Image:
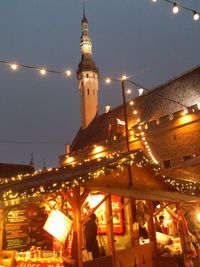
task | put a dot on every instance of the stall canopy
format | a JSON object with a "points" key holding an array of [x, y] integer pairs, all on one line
{"points": [[188, 170], [41, 183], [147, 194]]}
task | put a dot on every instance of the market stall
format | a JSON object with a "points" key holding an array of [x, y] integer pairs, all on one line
{"points": [[177, 240]]}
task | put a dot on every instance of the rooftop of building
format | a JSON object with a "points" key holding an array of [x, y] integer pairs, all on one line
{"points": [[9, 170], [167, 98]]}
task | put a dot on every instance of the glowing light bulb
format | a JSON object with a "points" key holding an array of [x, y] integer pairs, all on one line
{"points": [[14, 66], [195, 15], [131, 103], [124, 77], [43, 71], [128, 91], [135, 112], [68, 72], [175, 8], [154, 0], [108, 80], [198, 217]]}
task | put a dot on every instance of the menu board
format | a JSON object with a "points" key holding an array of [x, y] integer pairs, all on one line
{"points": [[16, 229], [23, 227]]}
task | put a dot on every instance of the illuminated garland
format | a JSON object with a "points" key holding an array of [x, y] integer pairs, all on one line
{"points": [[191, 188], [138, 158], [142, 134]]}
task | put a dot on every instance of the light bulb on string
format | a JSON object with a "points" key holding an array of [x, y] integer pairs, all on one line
{"points": [[124, 77], [108, 80], [43, 71], [175, 8], [131, 103], [195, 15], [68, 73], [128, 91], [14, 66]]}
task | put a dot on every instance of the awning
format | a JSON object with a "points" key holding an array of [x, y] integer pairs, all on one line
{"points": [[188, 170], [147, 194]]}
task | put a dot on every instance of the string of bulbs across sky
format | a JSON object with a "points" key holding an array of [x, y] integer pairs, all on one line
{"points": [[68, 73], [177, 7]]}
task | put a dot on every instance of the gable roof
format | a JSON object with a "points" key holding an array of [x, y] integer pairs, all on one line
{"points": [[183, 89], [9, 170]]}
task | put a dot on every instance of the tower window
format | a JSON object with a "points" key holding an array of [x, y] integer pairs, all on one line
{"points": [[88, 91], [87, 76], [187, 157], [93, 92], [167, 164]]}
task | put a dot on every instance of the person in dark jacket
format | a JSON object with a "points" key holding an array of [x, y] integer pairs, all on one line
{"points": [[90, 236]]}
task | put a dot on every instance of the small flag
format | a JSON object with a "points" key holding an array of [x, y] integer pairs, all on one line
{"points": [[120, 122]]}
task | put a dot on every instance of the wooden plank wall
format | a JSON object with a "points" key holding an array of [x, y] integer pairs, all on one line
{"points": [[137, 256]]}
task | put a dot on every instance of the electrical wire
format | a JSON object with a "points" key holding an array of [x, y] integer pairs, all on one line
{"points": [[155, 93], [31, 142]]}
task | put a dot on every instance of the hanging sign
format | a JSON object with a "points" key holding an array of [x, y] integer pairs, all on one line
{"points": [[58, 225]]}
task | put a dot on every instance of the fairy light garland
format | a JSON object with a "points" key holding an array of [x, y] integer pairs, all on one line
{"points": [[144, 141], [175, 7], [138, 158], [187, 187]]}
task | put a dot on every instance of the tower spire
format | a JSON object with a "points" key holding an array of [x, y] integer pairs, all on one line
{"points": [[87, 62], [87, 74]]}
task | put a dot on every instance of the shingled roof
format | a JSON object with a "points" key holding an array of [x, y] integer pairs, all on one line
{"points": [[183, 89]]}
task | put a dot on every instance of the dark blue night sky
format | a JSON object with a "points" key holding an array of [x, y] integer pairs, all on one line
{"points": [[136, 37]]}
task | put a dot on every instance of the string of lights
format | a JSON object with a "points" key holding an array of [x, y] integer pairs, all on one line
{"points": [[142, 136], [68, 73], [176, 8], [108, 80], [41, 70], [182, 186]]}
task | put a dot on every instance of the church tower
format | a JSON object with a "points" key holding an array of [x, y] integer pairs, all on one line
{"points": [[87, 75]]}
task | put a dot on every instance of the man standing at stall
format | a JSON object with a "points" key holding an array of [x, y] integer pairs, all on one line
{"points": [[90, 236]]}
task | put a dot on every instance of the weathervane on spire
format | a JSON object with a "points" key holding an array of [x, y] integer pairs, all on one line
{"points": [[83, 4], [84, 17]]}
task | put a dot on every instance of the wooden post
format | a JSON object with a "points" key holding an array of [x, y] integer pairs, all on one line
{"points": [[110, 234], [152, 231], [134, 229], [2, 213], [77, 225]]}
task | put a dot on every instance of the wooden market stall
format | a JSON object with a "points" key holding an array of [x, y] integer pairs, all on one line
{"points": [[74, 185]]}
